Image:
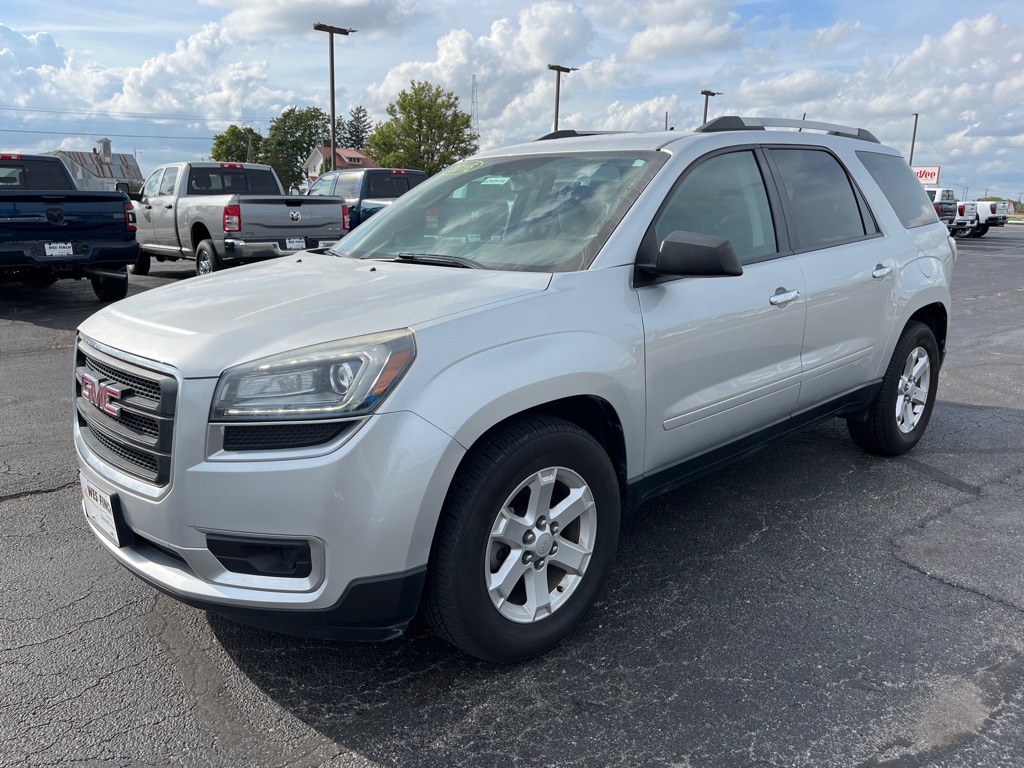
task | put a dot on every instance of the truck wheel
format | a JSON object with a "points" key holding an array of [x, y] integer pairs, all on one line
{"points": [[526, 538], [207, 260], [141, 265], [901, 409], [980, 231], [110, 288]]}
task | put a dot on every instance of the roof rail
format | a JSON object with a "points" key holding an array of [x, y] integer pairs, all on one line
{"points": [[735, 123], [567, 133]]}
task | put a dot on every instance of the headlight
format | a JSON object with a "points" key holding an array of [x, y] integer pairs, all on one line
{"points": [[327, 381]]}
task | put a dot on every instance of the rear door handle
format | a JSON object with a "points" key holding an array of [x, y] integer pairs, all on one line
{"points": [[782, 296], [879, 272]]}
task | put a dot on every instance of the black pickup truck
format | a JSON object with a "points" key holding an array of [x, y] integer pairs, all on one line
{"points": [[366, 190], [50, 230]]}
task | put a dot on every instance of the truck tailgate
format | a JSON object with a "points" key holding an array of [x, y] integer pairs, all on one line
{"points": [[316, 219], [62, 216]]}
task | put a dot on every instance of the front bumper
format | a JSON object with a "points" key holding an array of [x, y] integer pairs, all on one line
{"points": [[237, 250], [367, 507], [86, 259]]}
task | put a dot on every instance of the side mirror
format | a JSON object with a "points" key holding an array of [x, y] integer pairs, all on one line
{"points": [[122, 186], [691, 254]]}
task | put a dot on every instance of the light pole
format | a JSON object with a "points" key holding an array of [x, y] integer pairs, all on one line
{"points": [[913, 140], [558, 70], [332, 31], [706, 94]]}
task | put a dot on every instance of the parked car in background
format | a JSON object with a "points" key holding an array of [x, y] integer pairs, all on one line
{"points": [[966, 218], [49, 230], [944, 201], [366, 191], [989, 213], [455, 405], [228, 213]]}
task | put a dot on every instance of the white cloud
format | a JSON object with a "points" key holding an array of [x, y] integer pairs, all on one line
{"points": [[263, 19], [706, 32]]}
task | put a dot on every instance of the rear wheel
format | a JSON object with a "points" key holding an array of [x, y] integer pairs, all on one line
{"points": [[207, 260], [110, 288], [901, 409], [141, 265], [527, 536], [980, 231]]}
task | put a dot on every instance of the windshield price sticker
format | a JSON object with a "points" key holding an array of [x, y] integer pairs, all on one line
{"points": [[58, 249], [99, 508]]}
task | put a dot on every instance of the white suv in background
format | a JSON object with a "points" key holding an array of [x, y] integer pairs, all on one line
{"points": [[455, 408]]}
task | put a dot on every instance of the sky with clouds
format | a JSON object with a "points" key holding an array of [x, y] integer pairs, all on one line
{"points": [[162, 81]]}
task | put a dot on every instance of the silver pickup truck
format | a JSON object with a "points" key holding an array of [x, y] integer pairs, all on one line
{"points": [[222, 214]]}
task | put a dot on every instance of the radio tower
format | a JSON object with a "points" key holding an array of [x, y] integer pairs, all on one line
{"points": [[474, 109]]}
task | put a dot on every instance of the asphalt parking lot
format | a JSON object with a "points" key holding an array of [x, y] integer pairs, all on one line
{"points": [[811, 606]]}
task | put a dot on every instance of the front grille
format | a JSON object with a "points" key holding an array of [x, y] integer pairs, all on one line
{"points": [[125, 413]]}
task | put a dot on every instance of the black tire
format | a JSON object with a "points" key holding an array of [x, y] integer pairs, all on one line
{"points": [[980, 231], [141, 265], [486, 527], [207, 260], [110, 288], [901, 410]]}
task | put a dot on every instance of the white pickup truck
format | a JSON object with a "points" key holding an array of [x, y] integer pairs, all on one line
{"points": [[227, 213], [990, 213], [964, 221]]}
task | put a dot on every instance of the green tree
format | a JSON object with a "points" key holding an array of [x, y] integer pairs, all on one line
{"points": [[357, 128], [291, 138], [236, 145], [427, 131]]}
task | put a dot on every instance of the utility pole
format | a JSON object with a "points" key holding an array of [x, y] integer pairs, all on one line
{"points": [[474, 110], [913, 140], [332, 31]]}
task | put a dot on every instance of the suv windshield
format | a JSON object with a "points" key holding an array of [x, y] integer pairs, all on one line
{"points": [[537, 213]]}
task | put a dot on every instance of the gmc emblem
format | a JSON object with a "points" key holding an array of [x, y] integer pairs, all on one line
{"points": [[103, 394]]}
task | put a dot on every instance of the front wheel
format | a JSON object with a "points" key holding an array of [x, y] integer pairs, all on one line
{"points": [[141, 265], [901, 409], [109, 288], [207, 260], [527, 537]]}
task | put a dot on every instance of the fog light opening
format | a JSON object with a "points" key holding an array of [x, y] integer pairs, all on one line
{"points": [[281, 558]]}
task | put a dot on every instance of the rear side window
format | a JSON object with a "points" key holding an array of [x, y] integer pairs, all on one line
{"points": [[901, 188], [824, 204]]}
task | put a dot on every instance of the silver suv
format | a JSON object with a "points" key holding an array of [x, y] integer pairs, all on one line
{"points": [[453, 408]]}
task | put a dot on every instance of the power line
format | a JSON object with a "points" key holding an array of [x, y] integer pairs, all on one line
{"points": [[153, 115], [111, 135]]}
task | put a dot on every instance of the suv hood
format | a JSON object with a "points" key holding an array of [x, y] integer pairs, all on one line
{"points": [[204, 325]]}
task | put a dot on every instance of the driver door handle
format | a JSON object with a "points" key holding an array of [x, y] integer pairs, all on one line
{"points": [[783, 297]]}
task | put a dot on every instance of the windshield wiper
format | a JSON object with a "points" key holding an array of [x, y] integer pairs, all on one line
{"points": [[439, 260]]}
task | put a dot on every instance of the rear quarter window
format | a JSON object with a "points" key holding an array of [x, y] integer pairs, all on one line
{"points": [[901, 188]]}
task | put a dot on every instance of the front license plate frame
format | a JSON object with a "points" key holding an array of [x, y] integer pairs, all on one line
{"points": [[103, 509]]}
